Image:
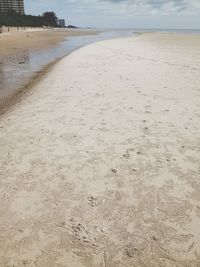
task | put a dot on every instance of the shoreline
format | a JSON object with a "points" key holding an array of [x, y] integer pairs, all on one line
{"points": [[37, 39], [17, 96], [100, 165], [46, 39], [20, 90]]}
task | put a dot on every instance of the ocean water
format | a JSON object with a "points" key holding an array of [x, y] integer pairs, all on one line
{"points": [[16, 73]]}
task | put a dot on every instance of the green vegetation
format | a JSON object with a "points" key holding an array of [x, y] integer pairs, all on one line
{"points": [[14, 19]]}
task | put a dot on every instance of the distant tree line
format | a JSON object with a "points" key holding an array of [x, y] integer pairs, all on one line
{"points": [[12, 18]]}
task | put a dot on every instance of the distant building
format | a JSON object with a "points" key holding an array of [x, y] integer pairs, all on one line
{"points": [[61, 23], [8, 5]]}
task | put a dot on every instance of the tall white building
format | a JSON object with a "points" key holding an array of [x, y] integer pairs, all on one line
{"points": [[16, 5], [61, 23]]}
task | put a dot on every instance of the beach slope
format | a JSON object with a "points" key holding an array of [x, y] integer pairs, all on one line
{"points": [[99, 163]]}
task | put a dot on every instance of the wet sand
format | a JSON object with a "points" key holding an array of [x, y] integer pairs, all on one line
{"points": [[15, 43], [26, 55], [100, 160], [19, 93]]}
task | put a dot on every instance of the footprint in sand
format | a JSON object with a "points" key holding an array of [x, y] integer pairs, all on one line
{"points": [[94, 201]]}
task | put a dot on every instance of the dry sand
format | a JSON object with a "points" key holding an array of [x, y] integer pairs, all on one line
{"points": [[36, 39], [100, 161]]}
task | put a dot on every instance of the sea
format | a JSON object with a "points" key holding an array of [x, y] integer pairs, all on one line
{"points": [[16, 74]]}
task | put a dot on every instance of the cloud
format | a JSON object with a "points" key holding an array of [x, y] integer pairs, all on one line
{"points": [[137, 7], [108, 13], [149, 5], [129, 6]]}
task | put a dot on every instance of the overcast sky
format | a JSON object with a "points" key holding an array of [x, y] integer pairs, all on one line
{"points": [[122, 13]]}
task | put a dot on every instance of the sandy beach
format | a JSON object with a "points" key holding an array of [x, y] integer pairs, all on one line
{"points": [[99, 163], [27, 55], [14, 43]]}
